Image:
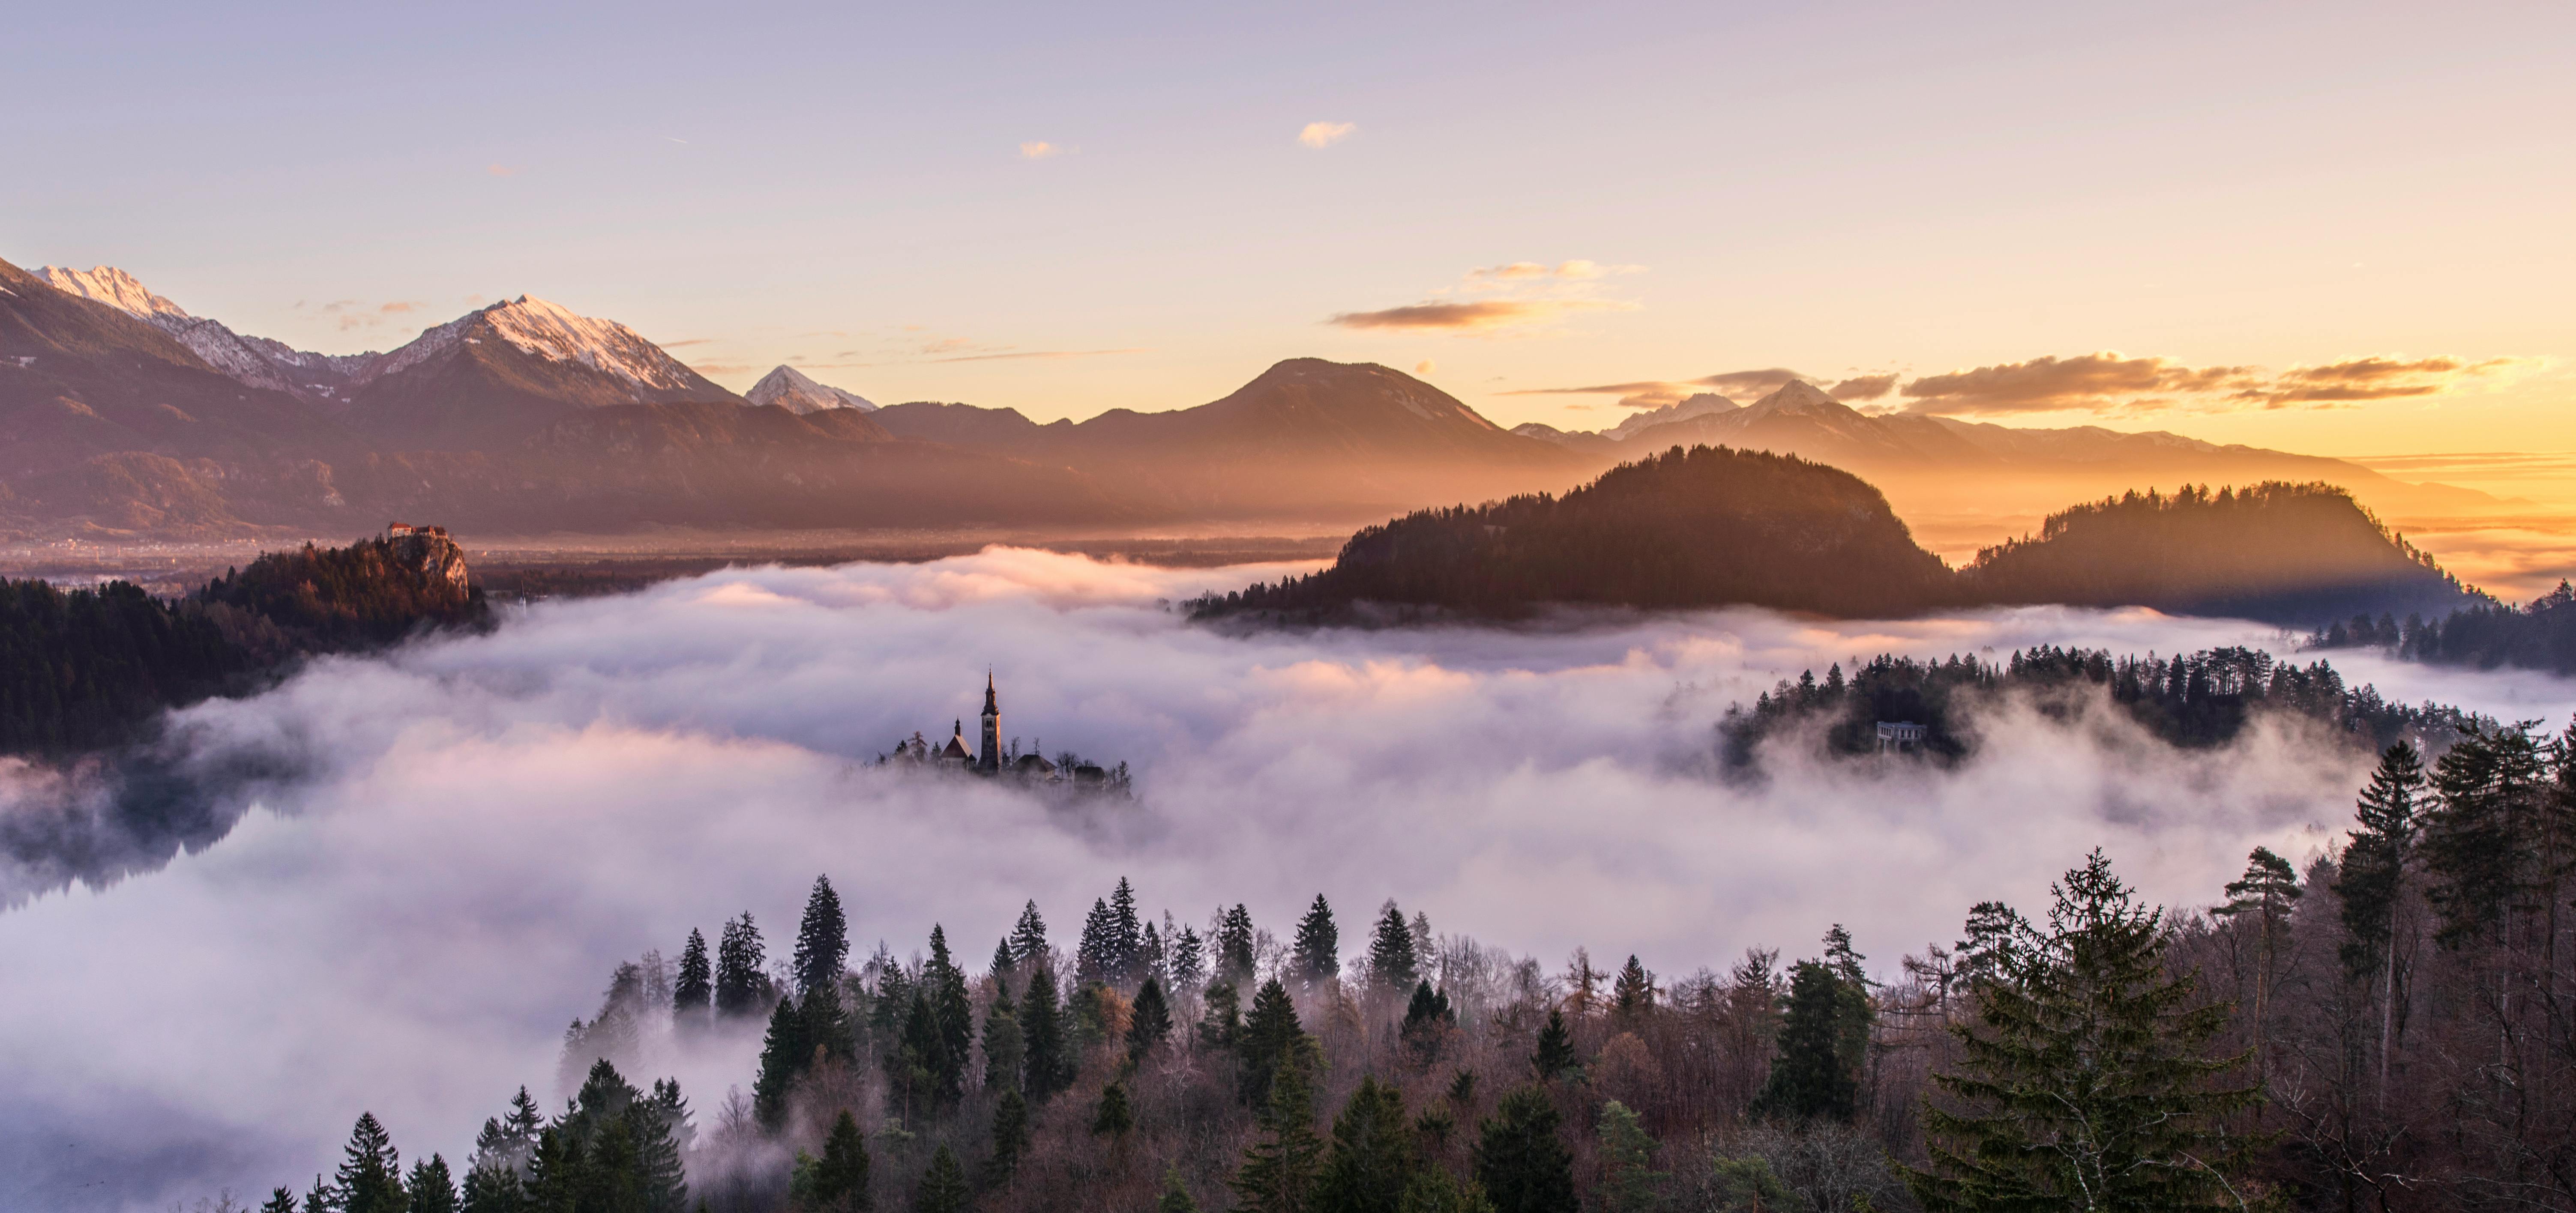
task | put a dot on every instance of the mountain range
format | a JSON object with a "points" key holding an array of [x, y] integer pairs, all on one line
{"points": [[122, 414]]}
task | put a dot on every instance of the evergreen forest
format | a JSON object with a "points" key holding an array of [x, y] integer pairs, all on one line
{"points": [[2540, 635], [2384, 1026]]}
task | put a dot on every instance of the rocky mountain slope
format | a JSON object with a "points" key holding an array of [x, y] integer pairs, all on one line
{"points": [[794, 391]]}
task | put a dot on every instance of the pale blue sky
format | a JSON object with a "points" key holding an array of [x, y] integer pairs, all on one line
{"points": [[1831, 188]]}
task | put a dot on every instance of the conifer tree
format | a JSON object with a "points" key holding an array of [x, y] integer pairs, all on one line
{"points": [[784, 1053], [1126, 950], [370, 1175], [1628, 1180], [919, 1058], [1521, 1162], [1005, 1049], [1010, 1138], [1427, 1020], [1154, 958], [2483, 839], [1373, 1157], [1004, 964], [1189, 961], [519, 1126], [838, 1181], [1633, 994], [1114, 1117], [742, 986], [1278, 1171], [432, 1187], [1809, 1078], [1050, 1064], [1271, 1037], [321, 1197], [1555, 1052], [2370, 881], [1175, 1197], [943, 1186], [663, 1134], [1028, 936], [1392, 966], [2266, 892], [1858, 1013], [2084, 1080], [1095, 956], [694, 994], [282, 1200], [1318, 951], [1234, 959], [953, 1010], [1149, 1022], [1221, 1021], [822, 940]]}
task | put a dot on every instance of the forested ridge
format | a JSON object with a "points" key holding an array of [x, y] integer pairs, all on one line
{"points": [[2190, 700], [1714, 526], [2540, 635], [2385, 1027], [84, 669]]}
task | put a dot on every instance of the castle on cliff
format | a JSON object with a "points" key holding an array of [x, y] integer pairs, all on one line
{"points": [[988, 757]]}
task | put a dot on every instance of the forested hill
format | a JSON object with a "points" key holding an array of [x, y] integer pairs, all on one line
{"points": [[1714, 526], [83, 669], [2281, 553], [1707, 526]]}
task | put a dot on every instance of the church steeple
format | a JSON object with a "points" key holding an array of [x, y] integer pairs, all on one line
{"points": [[991, 758]]}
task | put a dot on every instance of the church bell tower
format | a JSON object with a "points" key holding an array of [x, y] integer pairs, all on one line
{"points": [[991, 758]]}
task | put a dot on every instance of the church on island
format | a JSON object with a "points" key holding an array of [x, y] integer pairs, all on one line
{"points": [[988, 757]]}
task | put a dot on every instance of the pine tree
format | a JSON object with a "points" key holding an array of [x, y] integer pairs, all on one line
{"points": [[663, 1134], [784, 1053], [838, 1181], [322, 1197], [914, 1067], [282, 1200], [1114, 1117], [2370, 880], [1555, 1052], [1154, 958], [1094, 957], [1028, 937], [1005, 1049], [1010, 1138], [1234, 959], [822, 940], [742, 986], [1149, 1022], [1221, 1020], [952, 1010], [1004, 963], [2482, 842], [2267, 891], [2084, 1080], [1126, 951], [1427, 1021], [1632, 996], [370, 1175], [692, 997], [943, 1186], [1318, 951], [1175, 1197], [1628, 1181], [1809, 1078], [1271, 1037], [433, 1187], [1858, 1013], [1050, 1065], [1521, 1162], [1392, 966], [1189, 961], [1373, 1157], [1278, 1171]]}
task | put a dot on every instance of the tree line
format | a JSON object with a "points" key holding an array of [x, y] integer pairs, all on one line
{"points": [[2540, 635], [2190, 699], [2386, 1027]]}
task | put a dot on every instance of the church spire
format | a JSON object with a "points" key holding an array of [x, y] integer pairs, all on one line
{"points": [[989, 708], [990, 759]]}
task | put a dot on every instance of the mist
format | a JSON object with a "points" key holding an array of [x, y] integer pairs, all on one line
{"points": [[409, 872]]}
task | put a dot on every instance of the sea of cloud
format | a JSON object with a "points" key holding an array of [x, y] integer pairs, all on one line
{"points": [[447, 848]]}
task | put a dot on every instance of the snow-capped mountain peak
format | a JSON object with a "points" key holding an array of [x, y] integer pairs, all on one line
{"points": [[557, 333], [113, 287], [1796, 396], [1697, 405], [797, 392]]}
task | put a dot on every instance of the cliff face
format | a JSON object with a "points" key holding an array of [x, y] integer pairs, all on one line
{"points": [[427, 553]]}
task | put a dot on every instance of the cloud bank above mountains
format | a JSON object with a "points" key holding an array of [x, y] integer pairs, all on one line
{"points": [[475, 830]]}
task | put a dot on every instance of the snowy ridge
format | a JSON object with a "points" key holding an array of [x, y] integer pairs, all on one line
{"points": [[113, 287], [558, 334], [256, 361], [1694, 406], [793, 390]]}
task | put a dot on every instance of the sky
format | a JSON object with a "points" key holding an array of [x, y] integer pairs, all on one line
{"points": [[441, 852], [2332, 229]]}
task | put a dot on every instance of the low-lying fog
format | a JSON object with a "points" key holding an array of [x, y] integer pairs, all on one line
{"points": [[476, 830]]}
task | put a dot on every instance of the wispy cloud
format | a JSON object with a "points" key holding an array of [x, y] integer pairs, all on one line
{"points": [[1018, 354], [1325, 134], [499, 170], [1480, 315], [1039, 150], [2373, 378], [1864, 387], [1564, 271], [2108, 381], [350, 315]]}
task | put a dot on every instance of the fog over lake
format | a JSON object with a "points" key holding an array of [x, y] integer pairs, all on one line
{"points": [[449, 847]]}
